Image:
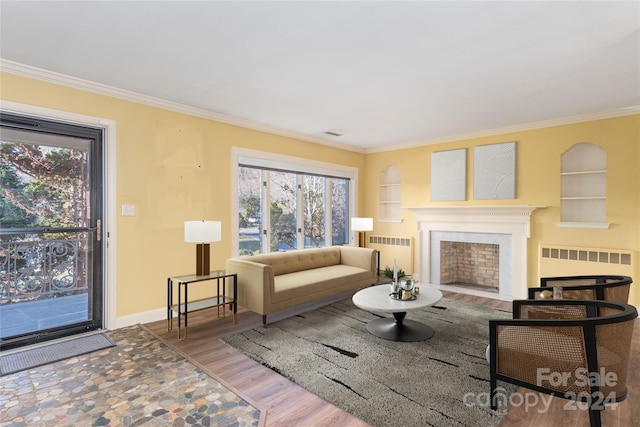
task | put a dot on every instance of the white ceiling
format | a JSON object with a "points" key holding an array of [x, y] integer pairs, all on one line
{"points": [[380, 73]]}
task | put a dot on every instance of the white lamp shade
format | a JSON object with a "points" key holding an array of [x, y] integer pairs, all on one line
{"points": [[361, 224], [202, 231]]}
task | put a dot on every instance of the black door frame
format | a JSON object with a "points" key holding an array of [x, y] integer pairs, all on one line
{"points": [[95, 227]]}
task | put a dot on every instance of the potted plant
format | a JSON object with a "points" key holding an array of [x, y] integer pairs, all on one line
{"points": [[388, 272]]}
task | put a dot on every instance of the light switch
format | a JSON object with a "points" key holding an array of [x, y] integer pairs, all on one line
{"points": [[128, 210]]}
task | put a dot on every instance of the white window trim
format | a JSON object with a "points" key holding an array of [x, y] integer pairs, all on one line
{"points": [[265, 159]]}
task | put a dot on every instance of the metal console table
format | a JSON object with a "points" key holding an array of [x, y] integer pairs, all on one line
{"points": [[184, 306]]}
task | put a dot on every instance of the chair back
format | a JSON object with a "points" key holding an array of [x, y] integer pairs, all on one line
{"points": [[587, 341], [595, 287], [613, 348]]}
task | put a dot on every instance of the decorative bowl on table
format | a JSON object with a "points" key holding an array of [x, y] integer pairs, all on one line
{"points": [[406, 284], [403, 289]]}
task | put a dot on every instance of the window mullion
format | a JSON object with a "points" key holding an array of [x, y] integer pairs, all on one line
{"points": [[266, 213], [300, 211], [328, 212]]}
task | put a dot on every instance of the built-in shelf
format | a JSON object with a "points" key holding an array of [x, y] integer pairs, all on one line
{"points": [[592, 225], [583, 187], [390, 195]]}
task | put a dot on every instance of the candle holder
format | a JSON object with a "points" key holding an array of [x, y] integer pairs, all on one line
{"points": [[395, 287]]}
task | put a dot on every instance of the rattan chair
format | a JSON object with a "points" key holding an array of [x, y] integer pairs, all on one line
{"points": [[558, 346], [598, 287]]}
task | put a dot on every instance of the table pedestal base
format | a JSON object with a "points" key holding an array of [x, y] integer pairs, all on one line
{"points": [[399, 329]]}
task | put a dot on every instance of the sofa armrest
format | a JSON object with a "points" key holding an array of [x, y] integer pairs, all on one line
{"points": [[359, 257], [255, 283]]}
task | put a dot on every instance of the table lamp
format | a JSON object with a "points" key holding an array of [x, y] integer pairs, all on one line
{"points": [[202, 233], [362, 225]]}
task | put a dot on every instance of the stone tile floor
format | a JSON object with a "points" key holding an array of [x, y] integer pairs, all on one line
{"points": [[139, 382]]}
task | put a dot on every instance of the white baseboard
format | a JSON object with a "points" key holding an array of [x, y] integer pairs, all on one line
{"points": [[144, 317], [161, 313]]}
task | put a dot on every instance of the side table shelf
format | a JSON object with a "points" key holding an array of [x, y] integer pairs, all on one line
{"points": [[183, 306], [204, 303]]}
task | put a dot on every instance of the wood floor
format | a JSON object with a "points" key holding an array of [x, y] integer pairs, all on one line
{"points": [[287, 404]]}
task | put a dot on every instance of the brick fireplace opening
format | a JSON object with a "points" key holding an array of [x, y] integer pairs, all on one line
{"points": [[470, 264]]}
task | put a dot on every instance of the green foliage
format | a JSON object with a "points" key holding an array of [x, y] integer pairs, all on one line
{"points": [[388, 272], [42, 186], [13, 216], [283, 228], [249, 211]]}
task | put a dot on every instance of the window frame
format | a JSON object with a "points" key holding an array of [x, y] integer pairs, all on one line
{"points": [[262, 159]]}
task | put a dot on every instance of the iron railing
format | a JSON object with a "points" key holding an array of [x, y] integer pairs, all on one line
{"points": [[43, 265]]}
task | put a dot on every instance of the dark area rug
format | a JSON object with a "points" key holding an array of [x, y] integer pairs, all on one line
{"points": [[27, 359], [443, 381], [140, 381]]}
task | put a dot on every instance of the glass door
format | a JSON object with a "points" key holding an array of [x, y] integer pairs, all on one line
{"points": [[51, 205]]}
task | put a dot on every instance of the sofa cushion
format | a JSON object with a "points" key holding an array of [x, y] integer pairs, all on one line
{"points": [[299, 283], [305, 259]]}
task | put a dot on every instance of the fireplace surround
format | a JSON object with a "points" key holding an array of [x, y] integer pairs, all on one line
{"points": [[508, 226]]}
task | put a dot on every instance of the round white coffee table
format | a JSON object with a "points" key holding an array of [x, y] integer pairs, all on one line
{"points": [[377, 299]]}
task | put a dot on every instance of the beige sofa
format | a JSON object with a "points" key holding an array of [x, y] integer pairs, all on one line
{"points": [[272, 282]]}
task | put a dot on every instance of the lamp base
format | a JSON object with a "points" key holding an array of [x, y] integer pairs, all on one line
{"points": [[362, 239], [202, 259]]}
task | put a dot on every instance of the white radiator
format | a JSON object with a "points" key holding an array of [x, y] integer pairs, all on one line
{"points": [[575, 261], [393, 247]]}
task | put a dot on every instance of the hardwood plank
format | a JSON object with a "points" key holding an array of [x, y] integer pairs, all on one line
{"points": [[288, 404]]}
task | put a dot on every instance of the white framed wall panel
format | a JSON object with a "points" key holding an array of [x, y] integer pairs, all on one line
{"points": [[494, 171], [449, 175]]}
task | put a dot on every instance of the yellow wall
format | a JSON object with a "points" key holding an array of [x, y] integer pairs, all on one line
{"points": [[174, 167], [538, 183]]}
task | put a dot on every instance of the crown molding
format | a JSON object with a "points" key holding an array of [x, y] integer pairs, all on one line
{"points": [[48, 76], [620, 112], [41, 74]]}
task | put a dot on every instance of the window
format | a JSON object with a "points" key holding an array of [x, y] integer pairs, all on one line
{"points": [[290, 204]]}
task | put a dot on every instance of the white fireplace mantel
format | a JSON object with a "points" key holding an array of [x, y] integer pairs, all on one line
{"points": [[511, 220]]}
